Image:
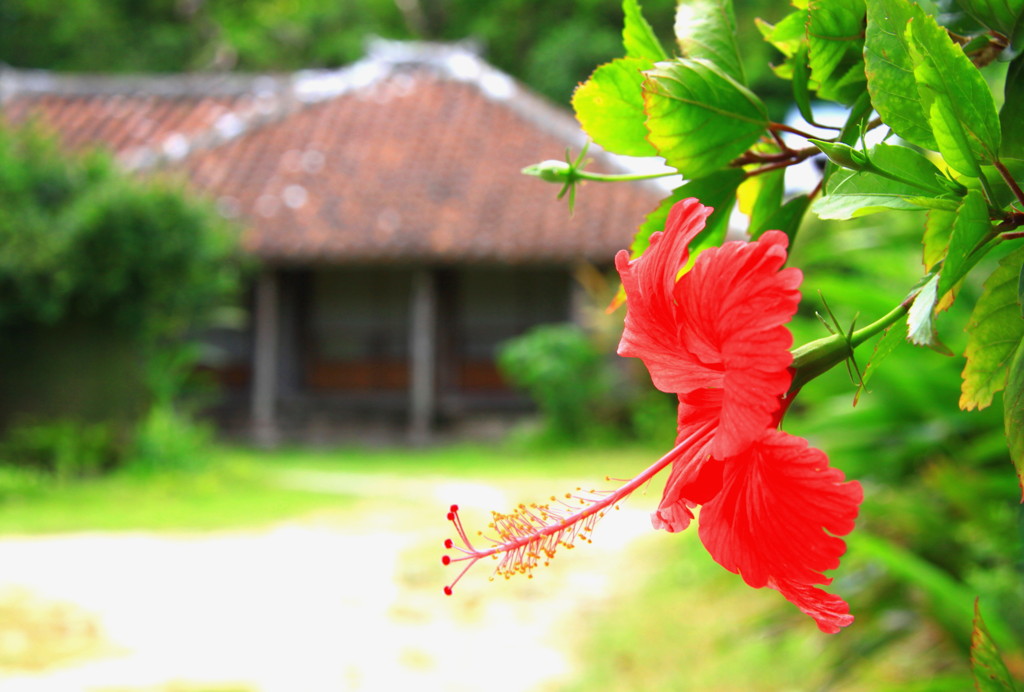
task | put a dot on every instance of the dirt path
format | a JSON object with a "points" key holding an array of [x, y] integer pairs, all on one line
{"points": [[348, 601]]}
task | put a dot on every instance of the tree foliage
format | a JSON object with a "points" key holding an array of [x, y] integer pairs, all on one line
{"points": [[550, 46], [80, 241], [103, 279]]}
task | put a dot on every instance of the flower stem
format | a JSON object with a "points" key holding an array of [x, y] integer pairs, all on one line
{"points": [[618, 178], [818, 357], [863, 334]]}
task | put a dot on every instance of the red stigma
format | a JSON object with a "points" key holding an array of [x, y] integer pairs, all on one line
{"points": [[445, 560], [449, 543], [447, 591], [454, 508]]}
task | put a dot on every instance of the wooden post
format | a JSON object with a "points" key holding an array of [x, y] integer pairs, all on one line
{"points": [[423, 356], [579, 302], [266, 349]]}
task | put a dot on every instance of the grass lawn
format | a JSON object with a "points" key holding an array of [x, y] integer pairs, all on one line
{"points": [[241, 487], [463, 461], [685, 623]]}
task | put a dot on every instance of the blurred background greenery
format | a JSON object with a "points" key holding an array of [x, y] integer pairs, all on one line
{"points": [[75, 269], [551, 45], [941, 523]]}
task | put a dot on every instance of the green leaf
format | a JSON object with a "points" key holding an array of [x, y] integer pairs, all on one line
{"points": [[1020, 292], [921, 318], [970, 228], [802, 84], [852, 194], [760, 196], [707, 29], [990, 673], [699, 117], [938, 228], [1013, 413], [894, 177], [717, 190], [890, 71], [788, 35], [955, 98], [856, 120], [906, 166], [610, 107], [1013, 106], [786, 219], [835, 36], [1001, 15], [638, 38], [891, 338], [931, 203], [994, 332]]}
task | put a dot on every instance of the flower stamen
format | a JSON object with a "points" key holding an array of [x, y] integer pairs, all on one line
{"points": [[531, 534]]}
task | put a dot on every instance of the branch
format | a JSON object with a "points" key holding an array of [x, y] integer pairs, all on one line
{"points": [[1008, 179], [781, 127]]}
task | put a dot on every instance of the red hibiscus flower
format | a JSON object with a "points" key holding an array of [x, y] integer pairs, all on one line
{"points": [[721, 326], [772, 508], [716, 336]]}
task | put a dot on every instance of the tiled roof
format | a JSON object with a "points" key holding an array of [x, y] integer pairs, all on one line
{"points": [[411, 155]]}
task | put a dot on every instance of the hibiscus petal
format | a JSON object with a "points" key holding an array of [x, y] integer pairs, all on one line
{"points": [[695, 477], [652, 325], [776, 520], [830, 612], [734, 305], [721, 325]]}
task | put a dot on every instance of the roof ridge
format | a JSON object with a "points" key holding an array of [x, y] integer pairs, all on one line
{"points": [[457, 60], [278, 95], [15, 81]]}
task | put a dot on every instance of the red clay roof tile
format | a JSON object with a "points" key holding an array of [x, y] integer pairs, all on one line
{"points": [[407, 160]]}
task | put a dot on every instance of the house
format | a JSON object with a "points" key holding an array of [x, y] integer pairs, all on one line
{"points": [[399, 244]]}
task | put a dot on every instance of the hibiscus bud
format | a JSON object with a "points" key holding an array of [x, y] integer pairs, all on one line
{"points": [[843, 155], [552, 171]]}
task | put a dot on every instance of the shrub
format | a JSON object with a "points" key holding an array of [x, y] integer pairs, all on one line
{"points": [[79, 241], [168, 439], [103, 279], [584, 394], [66, 448]]}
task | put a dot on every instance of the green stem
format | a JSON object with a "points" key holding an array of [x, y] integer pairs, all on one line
{"points": [[612, 178], [986, 187], [818, 357], [865, 333]]}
